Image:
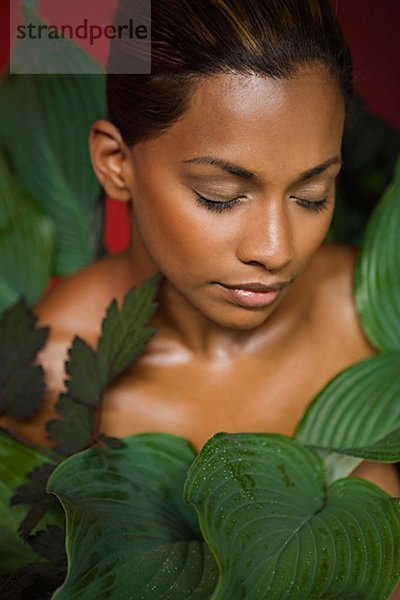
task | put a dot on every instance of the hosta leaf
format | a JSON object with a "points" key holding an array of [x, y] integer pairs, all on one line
{"points": [[8, 295], [74, 430], [278, 532], [124, 333], [386, 449], [21, 383], [129, 532], [48, 148], [377, 277], [358, 411], [27, 242]]}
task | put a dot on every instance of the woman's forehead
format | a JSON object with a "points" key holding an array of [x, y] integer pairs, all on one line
{"points": [[254, 119], [237, 99]]}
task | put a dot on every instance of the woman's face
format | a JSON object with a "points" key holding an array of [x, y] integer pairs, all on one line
{"points": [[240, 192]]}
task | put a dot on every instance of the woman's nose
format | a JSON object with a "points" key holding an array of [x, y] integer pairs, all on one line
{"points": [[266, 236]]}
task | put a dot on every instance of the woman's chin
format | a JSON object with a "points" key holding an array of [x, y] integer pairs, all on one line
{"points": [[242, 319]]}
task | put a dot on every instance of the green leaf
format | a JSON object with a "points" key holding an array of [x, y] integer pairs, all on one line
{"points": [[377, 278], [129, 532], [8, 295], [111, 442], [33, 492], [74, 430], [38, 579], [278, 532], [84, 383], [45, 125], [387, 449], [21, 383], [357, 412], [14, 552], [124, 333], [27, 242], [24, 570], [49, 542], [16, 461]]}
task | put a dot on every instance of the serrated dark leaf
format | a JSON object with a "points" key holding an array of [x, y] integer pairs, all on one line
{"points": [[111, 442], [34, 493], [74, 430], [36, 581], [35, 489], [21, 383], [34, 515], [17, 585], [124, 333], [17, 319], [50, 544], [22, 394], [17, 326], [133, 347], [124, 336], [84, 382]]}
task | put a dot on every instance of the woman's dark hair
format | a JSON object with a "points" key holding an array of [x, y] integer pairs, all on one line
{"points": [[191, 39]]}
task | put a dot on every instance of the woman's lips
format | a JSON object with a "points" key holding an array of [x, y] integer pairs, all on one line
{"points": [[250, 298]]}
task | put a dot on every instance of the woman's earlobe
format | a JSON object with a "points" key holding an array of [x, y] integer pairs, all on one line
{"points": [[108, 155]]}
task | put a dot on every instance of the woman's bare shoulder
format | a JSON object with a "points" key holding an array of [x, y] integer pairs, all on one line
{"points": [[333, 270], [78, 304], [335, 264]]}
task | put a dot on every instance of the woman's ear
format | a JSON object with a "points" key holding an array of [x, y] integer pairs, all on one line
{"points": [[108, 154]]}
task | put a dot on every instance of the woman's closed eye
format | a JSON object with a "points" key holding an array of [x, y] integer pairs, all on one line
{"points": [[216, 205], [313, 205], [223, 205]]}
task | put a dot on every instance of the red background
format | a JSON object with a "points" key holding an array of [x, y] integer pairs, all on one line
{"points": [[371, 28]]}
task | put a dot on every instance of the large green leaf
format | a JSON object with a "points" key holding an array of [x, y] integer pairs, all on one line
{"points": [[129, 534], [45, 125], [357, 413], [377, 277], [27, 241], [278, 532]]}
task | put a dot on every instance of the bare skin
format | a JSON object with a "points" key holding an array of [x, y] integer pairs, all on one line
{"points": [[216, 364]]}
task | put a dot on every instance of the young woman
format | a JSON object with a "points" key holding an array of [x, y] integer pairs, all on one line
{"points": [[228, 154]]}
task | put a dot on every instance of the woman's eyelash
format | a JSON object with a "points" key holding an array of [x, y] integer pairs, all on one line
{"points": [[220, 205], [216, 205], [316, 206]]}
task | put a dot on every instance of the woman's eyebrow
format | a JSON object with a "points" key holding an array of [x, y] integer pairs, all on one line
{"points": [[249, 175], [314, 171], [222, 164]]}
